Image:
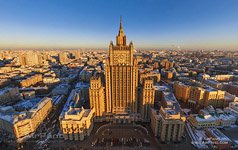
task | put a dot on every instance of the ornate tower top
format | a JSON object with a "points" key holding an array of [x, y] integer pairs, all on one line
{"points": [[121, 31], [121, 38]]}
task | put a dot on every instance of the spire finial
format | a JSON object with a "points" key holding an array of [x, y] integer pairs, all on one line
{"points": [[121, 32], [121, 38], [121, 22]]}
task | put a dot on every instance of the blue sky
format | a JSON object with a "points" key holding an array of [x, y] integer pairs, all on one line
{"points": [[198, 24]]}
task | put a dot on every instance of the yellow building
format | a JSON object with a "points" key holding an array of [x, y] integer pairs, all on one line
{"points": [[196, 97], [214, 98], [147, 102], [155, 119], [168, 75], [31, 80], [153, 75], [30, 58], [166, 64], [182, 92], [210, 119], [224, 77], [63, 57], [121, 74], [20, 125], [156, 65], [168, 123], [200, 97], [96, 94], [201, 121], [23, 126], [168, 127], [77, 123], [121, 103], [40, 112], [33, 58]]}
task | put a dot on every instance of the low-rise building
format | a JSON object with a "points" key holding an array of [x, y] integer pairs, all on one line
{"points": [[168, 123], [224, 77], [32, 80], [9, 95], [77, 123], [51, 80], [155, 75], [21, 125], [233, 109], [61, 89], [213, 83], [159, 92], [28, 94], [208, 119], [218, 139], [166, 64], [199, 97], [182, 91]]}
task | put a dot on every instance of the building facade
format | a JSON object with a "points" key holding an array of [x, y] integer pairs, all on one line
{"points": [[147, 102], [121, 74], [166, 64], [96, 94], [214, 118], [182, 92], [197, 97], [19, 125], [168, 123], [77, 123], [9, 95], [31, 80], [168, 127]]}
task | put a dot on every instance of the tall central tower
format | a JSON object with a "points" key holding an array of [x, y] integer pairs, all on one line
{"points": [[121, 72]]}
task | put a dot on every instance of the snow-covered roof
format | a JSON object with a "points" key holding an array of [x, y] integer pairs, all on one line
{"points": [[218, 134], [13, 116]]}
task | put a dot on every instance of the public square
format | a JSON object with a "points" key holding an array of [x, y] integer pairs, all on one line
{"points": [[120, 136]]}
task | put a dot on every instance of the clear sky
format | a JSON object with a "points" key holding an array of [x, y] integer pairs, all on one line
{"points": [[196, 24]]}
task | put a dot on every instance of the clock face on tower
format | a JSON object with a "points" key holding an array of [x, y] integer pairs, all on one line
{"points": [[120, 58]]}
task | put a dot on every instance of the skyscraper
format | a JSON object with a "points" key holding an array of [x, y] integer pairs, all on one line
{"points": [[121, 73]]}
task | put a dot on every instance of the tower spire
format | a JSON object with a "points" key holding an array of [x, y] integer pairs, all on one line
{"points": [[121, 38], [121, 31], [121, 23]]}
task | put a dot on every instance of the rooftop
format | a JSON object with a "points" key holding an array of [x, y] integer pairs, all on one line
{"points": [[80, 85], [161, 88], [219, 135], [26, 104], [12, 115], [4, 90], [76, 113], [171, 101]]}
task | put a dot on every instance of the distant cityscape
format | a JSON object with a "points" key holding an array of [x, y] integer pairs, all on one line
{"points": [[121, 98]]}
